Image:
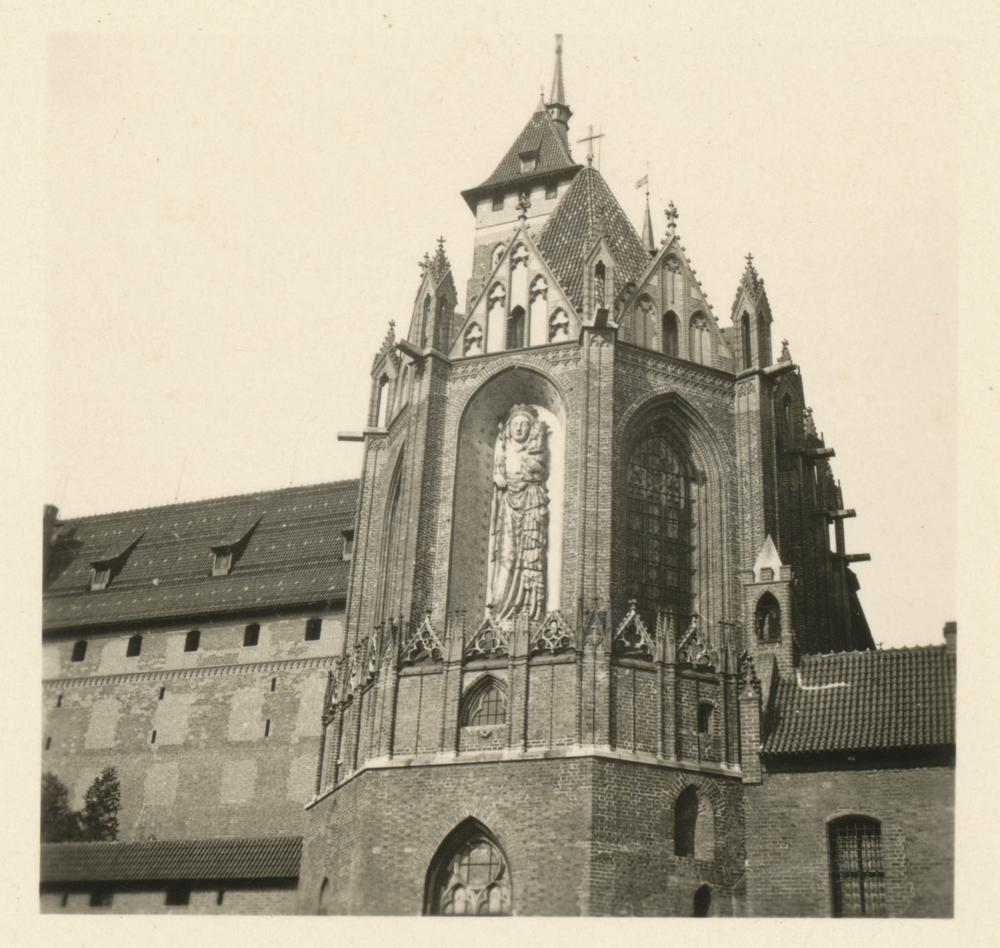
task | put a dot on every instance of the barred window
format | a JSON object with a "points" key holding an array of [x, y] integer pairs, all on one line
{"points": [[856, 867]]}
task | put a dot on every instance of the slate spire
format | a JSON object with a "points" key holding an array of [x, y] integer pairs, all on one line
{"points": [[647, 230], [559, 110]]}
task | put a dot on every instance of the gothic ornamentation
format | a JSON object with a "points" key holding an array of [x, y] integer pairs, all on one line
{"points": [[519, 516], [689, 373], [692, 649], [519, 257], [498, 296], [632, 637], [748, 672], [559, 326], [473, 343], [551, 636], [595, 625], [745, 387], [489, 640], [424, 645], [539, 287]]}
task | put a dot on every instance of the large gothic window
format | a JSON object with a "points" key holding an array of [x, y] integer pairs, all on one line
{"points": [[658, 554], [469, 875]]}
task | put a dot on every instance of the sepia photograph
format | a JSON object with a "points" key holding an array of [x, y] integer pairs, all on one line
{"points": [[501, 460]]}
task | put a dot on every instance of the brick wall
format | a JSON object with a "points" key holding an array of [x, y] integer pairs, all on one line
{"points": [[150, 898], [236, 728], [788, 849]]}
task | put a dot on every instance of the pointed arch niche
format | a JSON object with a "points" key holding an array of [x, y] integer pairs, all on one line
{"points": [[473, 494], [469, 874]]}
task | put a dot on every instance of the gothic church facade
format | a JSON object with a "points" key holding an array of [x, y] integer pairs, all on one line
{"points": [[599, 648]]}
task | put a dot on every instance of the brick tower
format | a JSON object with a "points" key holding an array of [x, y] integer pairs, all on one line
{"points": [[585, 510]]}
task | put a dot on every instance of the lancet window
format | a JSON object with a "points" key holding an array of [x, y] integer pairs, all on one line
{"points": [[701, 350], [670, 343], [747, 342], [470, 875]]}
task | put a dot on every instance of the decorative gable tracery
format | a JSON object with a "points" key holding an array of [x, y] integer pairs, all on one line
{"points": [[489, 640], [424, 645], [632, 637]]}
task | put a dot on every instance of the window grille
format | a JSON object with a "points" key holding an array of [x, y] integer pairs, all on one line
{"points": [[856, 868]]}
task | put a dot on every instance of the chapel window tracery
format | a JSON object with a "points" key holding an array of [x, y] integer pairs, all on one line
{"points": [[486, 706], [472, 878]]}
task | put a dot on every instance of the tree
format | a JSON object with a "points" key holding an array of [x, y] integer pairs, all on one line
{"points": [[99, 818], [60, 824]]}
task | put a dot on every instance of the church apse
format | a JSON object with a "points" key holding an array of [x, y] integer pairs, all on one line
{"points": [[506, 549]]}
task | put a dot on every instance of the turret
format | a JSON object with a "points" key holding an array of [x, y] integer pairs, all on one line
{"points": [[558, 110]]}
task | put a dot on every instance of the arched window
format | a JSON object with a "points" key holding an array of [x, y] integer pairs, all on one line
{"points": [[515, 328], [382, 402], [768, 618], [747, 341], [787, 416], [671, 281], [469, 874], [599, 287], [670, 346], [856, 867], [701, 349], [685, 822], [498, 252], [659, 529], [442, 326], [485, 704], [702, 901], [134, 646], [643, 319]]}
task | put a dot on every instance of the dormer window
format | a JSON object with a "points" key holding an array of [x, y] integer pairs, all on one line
{"points": [[223, 562], [348, 544], [232, 544], [529, 161], [101, 576]]}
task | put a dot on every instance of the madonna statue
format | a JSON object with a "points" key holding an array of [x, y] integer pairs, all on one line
{"points": [[519, 517]]}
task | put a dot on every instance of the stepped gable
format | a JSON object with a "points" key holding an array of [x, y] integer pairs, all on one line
{"points": [[170, 859], [576, 225], [896, 699], [541, 137], [292, 554]]}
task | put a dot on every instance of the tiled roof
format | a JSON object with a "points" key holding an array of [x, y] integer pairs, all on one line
{"points": [[892, 699], [293, 556], [540, 136], [172, 859], [576, 225]]}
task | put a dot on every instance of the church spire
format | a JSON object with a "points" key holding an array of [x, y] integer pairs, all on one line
{"points": [[558, 109]]}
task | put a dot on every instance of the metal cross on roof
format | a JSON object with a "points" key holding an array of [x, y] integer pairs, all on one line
{"points": [[591, 138], [522, 206], [672, 215], [750, 260]]}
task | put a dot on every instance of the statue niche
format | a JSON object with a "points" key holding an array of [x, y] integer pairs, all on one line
{"points": [[519, 517]]}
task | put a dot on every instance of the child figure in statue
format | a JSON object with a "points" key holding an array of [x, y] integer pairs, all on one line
{"points": [[519, 517]]}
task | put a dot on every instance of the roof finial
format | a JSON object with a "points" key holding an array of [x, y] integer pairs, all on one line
{"points": [[591, 138], [672, 215], [522, 206]]}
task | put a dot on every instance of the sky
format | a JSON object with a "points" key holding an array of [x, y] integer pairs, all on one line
{"points": [[233, 217]]}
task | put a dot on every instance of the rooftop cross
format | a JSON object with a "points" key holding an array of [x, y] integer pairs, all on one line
{"points": [[750, 260], [591, 138], [522, 206], [672, 215]]}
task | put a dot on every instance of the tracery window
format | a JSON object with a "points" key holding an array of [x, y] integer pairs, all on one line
{"points": [[659, 529], [701, 350], [470, 876], [856, 867], [485, 705]]}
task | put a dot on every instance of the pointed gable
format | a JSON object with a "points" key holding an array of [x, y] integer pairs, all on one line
{"points": [[587, 212], [539, 138]]}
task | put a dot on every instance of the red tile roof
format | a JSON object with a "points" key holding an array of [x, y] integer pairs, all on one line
{"points": [[294, 556], [174, 859], [894, 699], [541, 137], [576, 225]]}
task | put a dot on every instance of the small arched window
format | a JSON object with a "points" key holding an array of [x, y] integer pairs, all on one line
{"points": [[670, 346], [702, 901], [485, 705], [701, 350], [685, 822], [747, 341], [469, 874], [599, 285], [515, 328], [134, 646], [768, 618], [79, 651], [856, 867], [382, 401]]}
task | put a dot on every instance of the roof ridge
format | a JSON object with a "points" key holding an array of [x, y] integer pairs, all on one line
{"points": [[203, 500]]}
